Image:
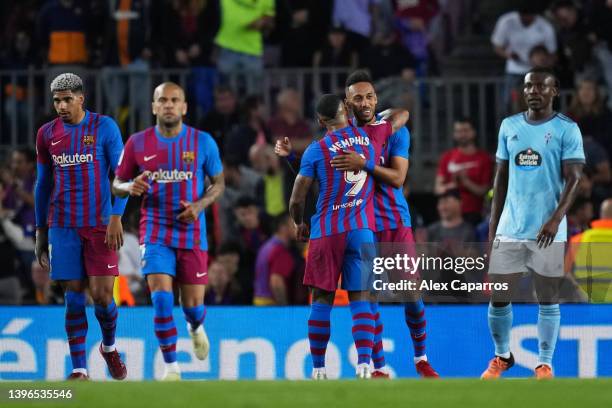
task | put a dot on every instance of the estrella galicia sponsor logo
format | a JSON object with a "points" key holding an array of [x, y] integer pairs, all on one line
{"points": [[170, 176], [528, 160], [65, 160]]}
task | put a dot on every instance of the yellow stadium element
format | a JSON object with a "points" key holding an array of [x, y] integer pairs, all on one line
{"points": [[121, 292]]}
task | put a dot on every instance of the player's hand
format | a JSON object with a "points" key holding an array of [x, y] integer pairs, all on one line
{"points": [[303, 232], [547, 233], [140, 185], [114, 233], [190, 213], [348, 161], [42, 248], [283, 147]]}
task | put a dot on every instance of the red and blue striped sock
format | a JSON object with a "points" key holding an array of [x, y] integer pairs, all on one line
{"points": [[107, 317], [319, 332], [415, 319], [195, 315], [363, 330], [76, 328], [165, 329], [378, 352]]}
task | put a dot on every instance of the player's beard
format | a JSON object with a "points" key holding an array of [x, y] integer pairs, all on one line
{"points": [[364, 118], [170, 123]]}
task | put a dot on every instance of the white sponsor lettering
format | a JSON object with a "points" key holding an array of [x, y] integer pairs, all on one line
{"points": [[169, 176], [65, 160], [343, 144], [350, 204]]}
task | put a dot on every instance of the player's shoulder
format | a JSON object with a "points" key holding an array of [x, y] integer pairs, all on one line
{"points": [[141, 134], [201, 134], [565, 119], [513, 119], [509, 17], [103, 122], [47, 128]]}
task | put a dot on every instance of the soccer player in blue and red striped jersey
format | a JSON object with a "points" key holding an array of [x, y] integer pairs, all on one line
{"points": [[168, 165], [393, 226], [77, 232], [342, 226]]}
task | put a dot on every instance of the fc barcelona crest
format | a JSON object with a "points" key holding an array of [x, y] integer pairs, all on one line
{"points": [[88, 140], [188, 157]]}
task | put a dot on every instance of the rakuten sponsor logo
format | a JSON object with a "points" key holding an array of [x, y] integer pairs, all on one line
{"points": [[72, 160], [170, 176]]}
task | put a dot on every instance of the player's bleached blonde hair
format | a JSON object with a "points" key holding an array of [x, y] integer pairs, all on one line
{"points": [[67, 82]]}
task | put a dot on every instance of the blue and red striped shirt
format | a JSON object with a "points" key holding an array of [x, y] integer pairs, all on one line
{"points": [[78, 158], [345, 200], [178, 168]]}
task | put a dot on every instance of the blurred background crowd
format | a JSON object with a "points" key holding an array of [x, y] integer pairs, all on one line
{"points": [[229, 54]]}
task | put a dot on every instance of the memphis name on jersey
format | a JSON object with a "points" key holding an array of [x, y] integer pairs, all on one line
{"points": [[351, 141]]}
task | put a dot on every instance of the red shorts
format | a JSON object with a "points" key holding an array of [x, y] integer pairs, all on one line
{"points": [[187, 266], [76, 253], [397, 241]]}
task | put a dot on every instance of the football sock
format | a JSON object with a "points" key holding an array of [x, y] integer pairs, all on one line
{"points": [[549, 319], [318, 332], [363, 330], [107, 317], [414, 313], [500, 324], [195, 315], [165, 329], [378, 352], [76, 328]]}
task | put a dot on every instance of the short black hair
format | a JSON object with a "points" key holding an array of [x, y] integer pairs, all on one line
{"points": [[358, 76], [280, 220], [27, 152], [465, 119], [245, 201], [229, 247], [563, 4], [327, 105], [232, 160], [545, 71]]}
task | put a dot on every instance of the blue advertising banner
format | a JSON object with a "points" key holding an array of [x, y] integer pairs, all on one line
{"points": [[272, 343]]}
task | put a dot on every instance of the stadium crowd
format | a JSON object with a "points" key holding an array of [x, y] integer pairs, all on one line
{"points": [[249, 226]]}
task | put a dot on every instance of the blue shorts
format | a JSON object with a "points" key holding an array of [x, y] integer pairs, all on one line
{"points": [[348, 254], [76, 253], [187, 266]]}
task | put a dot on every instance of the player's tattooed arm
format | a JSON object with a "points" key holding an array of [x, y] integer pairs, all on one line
{"points": [[296, 205], [500, 189], [135, 188], [191, 210], [397, 118], [572, 173]]}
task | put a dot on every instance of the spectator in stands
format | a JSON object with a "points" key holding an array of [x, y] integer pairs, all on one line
{"points": [[579, 216], [251, 130], [305, 25], [223, 117], [275, 191], [414, 20], [356, 17], [240, 270], [67, 32], [514, 36], [466, 168], [130, 265], [240, 37], [252, 225], [597, 169], [10, 287], [240, 180], [288, 121], [575, 47], [336, 51], [589, 111], [601, 30], [128, 49], [540, 57], [275, 265], [221, 288]]}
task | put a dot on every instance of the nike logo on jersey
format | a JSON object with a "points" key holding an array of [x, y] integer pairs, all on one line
{"points": [[110, 266], [147, 158], [457, 167], [56, 142], [201, 274]]}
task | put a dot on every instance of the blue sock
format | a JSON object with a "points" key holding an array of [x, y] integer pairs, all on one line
{"points": [[319, 332], [165, 329], [414, 313], [107, 317], [549, 319], [76, 327], [363, 330], [500, 324], [195, 315], [378, 352]]}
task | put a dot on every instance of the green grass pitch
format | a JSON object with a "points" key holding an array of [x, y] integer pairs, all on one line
{"points": [[506, 393]]}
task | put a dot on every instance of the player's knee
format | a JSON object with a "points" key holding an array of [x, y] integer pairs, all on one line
{"points": [[102, 296], [322, 296]]}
